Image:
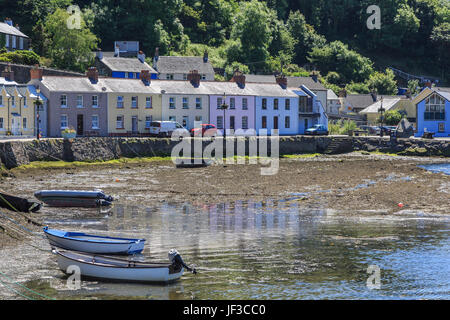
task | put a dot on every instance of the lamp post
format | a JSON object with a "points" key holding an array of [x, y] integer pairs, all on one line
{"points": [[38, 106], [381, 110], [224, 107]]}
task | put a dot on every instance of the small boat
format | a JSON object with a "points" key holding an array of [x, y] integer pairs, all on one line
{"points": [[14, 203], [73, 198], [78, 241], [122, 270]]}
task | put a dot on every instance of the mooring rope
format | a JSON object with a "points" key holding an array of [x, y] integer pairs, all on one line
{"points": [[21, 285], [21, 226], [9, 204], [15, 291]]}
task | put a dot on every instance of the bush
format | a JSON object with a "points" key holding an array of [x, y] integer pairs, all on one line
{"points": [[342, 127], [20, 57]]}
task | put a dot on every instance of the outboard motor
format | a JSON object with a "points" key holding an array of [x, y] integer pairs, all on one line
{"points": [[176, 260]]}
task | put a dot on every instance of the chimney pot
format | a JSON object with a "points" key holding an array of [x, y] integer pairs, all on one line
{"points": [[8, 74], [239, 78], [141, 56], [205, 56]]}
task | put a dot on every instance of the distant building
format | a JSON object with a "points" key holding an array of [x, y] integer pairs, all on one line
{"points": [[12, 38], [433, 112], [333, 103], [178, 68], [400, 103], [125, 68], [357, 102]]}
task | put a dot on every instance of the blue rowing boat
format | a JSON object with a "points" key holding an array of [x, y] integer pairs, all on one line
{"points": [[83, 242]]}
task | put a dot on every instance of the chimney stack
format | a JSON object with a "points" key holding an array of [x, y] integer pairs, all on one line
{"points": [[117, 51], [239, 78], [428, 84], [99, 54], [281, 80], [156, 53], [9, 22], [145, 77], [36, 73], [92, 74], [205, 56], [141, 56], [314, 76], [194, 77], [8, 74], [343, 93], [374, 96]]}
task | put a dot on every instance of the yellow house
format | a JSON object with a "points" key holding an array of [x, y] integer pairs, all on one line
{"points": [[132, 106], [17, 109], [399, 103]]}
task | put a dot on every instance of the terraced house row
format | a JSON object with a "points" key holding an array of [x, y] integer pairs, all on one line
{"points": [[106, 106]]}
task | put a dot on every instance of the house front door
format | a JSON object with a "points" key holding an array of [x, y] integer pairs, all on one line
{"points": [[15, 126], [80, 125], [134, 124], [306, 125], [275, 123], [232, 122]]}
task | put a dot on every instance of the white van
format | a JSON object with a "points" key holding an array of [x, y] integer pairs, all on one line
{"points": [[166, 128]]}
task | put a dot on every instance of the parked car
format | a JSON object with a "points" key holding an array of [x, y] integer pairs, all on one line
{"points": [[317, 129], [205, 130], [166, 128], [370, 129], [386, 130]]}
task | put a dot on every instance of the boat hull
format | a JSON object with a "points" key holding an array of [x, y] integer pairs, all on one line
{"points": [[98, 269], [73, 198], [14, 203], [93, 244]]}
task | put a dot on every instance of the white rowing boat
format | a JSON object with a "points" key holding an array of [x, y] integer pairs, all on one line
{"points": [[113, 269]]}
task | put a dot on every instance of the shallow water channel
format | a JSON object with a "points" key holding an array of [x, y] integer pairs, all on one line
{"points": [[253, 250]]}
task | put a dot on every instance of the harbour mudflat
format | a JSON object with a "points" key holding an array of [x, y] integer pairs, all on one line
{"points": [[309, 232]]}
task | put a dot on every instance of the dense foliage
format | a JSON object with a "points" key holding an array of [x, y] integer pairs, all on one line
{"points": [[330, 36]]}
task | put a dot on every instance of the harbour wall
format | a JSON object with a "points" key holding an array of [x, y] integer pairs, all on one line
{"points": [[14, 153]]}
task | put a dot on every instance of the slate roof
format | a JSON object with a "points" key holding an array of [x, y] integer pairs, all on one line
{"points": [[126, 64], [7, 29], [178, 64], [388, 103], [292, 82], [331, 95], [359, 101]]}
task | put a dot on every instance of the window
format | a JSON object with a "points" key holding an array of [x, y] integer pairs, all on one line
{"points": [[25, 102], [264, 104], [203, 76], [287, 122], [63, 100], [119, 122], [185, 103], [264, 122], [171, 103], [172, 118], [14, 41], [13, 101], [232, 103], [244, 104], [219, 122], [1, 123], [441, 127], [7, 41], [434, 108], [120, 102], [94, 101], [244, 122], [148, 121], [94, 121], [1, 100], [134, 101], [198, 103], [287, 104], [219, 103], [64, 123], [24, 123], [198, 118], [275, 104], [148, 102], [169, 76], [79, 101], [184, 76], [21, 43]]}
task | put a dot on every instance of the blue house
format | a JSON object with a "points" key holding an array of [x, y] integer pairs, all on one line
{"points": [[125, 68], [433, 112], [310, 110]]}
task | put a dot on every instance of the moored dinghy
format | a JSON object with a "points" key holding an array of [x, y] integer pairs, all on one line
{"points": [[78, 241], [15, 203], [113, 269], [73, 198]]}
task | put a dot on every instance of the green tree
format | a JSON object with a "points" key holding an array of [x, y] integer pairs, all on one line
{"points": [[383, 83], [68, 48], [391, 117]]}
